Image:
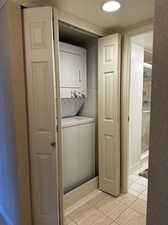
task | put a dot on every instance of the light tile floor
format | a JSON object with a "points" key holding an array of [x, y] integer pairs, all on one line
{"points": [[103, 209], [137, 185]]}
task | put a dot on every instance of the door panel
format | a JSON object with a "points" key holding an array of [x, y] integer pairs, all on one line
{"points": [[109, 114], [40, 72]]}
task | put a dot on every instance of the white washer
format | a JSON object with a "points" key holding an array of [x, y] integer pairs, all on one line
{"points": [[78, 151]]}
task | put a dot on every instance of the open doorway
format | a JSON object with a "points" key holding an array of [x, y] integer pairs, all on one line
{"points": [[74, 115], [139, 113], [84, 199], [79, 112]]}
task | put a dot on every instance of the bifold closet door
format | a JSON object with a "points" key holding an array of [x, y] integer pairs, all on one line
{"points": [[40, 72], [109, 113]]}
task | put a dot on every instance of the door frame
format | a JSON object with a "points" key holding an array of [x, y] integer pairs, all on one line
{"points": [[58, 17], [61, 194], [125, 101]]}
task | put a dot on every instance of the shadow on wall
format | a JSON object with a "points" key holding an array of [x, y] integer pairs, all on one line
{"points": [[9, 203]]}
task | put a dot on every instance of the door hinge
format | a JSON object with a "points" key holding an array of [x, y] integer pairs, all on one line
{"points": [[128, 118]]}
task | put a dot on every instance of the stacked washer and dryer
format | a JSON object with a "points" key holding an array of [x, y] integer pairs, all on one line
{"points": [[78, 131]]}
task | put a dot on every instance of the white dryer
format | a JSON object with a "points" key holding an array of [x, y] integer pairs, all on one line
{"points": [[78, 151]]}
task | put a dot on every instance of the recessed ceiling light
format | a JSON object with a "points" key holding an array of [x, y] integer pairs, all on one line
{"points": [[111, 6]]}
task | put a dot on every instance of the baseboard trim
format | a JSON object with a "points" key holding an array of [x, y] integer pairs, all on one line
{"points": [[80, 192], [5, 217]]}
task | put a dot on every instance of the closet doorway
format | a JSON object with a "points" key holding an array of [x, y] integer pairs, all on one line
{"points": [[57, 91]]}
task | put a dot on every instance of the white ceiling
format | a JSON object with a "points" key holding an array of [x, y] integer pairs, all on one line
{"points": [[145, 40], [131, 12]]}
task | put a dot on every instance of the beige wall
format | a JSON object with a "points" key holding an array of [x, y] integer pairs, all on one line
{"points": [[158, 182], [14, 186], [9, 204]]}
